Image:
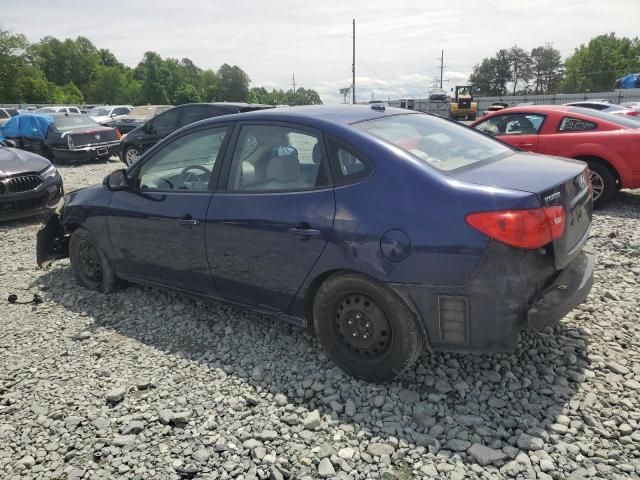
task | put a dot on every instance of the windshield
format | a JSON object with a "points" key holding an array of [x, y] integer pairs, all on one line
{"points": [[73, 122], [437, 142], [608, 117], [99, 112]]}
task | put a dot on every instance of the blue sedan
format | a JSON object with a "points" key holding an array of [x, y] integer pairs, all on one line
{"points": [[386, 231]]}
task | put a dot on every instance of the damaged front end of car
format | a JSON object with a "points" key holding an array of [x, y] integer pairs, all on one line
{"points": [[52, 241]]}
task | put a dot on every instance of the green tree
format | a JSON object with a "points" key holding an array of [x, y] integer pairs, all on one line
{"points": [[186, 93], [596, 66], [233, 84], [209, 85], [521, 68], [483, 77], [68, 93], [154, 77], [109, 86], [13, 61], [546, 69]]}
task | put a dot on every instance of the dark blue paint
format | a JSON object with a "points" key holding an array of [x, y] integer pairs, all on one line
{"points": [[402, 225]]}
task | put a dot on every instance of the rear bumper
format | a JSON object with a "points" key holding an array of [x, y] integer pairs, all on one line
{"points": [[510, 291], [570, 289], [87, 154]]}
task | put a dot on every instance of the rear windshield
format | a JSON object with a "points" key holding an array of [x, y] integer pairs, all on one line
{"points": [[65, 123], [437, 142], [609, 117]]}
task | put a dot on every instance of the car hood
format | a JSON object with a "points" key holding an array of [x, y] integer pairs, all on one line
{"points": [[103, 118], [14, 161]]}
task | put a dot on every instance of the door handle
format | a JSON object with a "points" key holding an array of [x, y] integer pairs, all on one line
{"points": [[188, 221], [526, 145], [305, 229]]}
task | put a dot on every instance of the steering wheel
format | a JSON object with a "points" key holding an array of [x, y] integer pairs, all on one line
{"points": [[185, 173]]}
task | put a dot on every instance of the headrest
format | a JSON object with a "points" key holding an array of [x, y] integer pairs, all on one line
{"points": [[316, 154], [283, 169]]}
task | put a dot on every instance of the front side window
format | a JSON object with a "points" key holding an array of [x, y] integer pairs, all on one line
{"points": [[120, 111], [437, 142], [185, 164], [166, 123], [194, 114], [569, 124], [512, 124], [269, 157]]}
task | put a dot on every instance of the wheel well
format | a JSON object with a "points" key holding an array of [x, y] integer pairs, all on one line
{"points": [[603, 162]]}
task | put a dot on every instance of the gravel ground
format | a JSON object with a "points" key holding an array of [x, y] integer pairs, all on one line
{"points": [[149, 384]]}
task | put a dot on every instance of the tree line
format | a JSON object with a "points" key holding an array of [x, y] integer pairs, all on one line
{"points": [[593, 67], [76, 72]]}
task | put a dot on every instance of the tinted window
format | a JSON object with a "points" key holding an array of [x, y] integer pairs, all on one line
{"points": [[120, 111], [569, 124], [271, 157], [349, 166], [195, 113], [12, 112], [3, 114], [99, 112], [608, 117], [512, 124], [166, 123], [73, 110], [184, 164], [442, 144]]}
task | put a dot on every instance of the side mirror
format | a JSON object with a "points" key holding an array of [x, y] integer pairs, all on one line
{"points": [[113, 115], [117, 180]]}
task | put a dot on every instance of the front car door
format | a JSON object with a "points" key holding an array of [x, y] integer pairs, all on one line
{"points": [[159, 127], [272, 215], [157, 227], [518, 129]]}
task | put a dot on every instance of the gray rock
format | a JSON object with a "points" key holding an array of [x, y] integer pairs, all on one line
{"points": [[527, 442], [165, 416], [181, 417], [312, 420], [325, 469], [380, 449], [123, 440], [349, 408], [280, 400], [409, 396], [484, 455], [202, 455], [73, 421], [458, 445], [116, 394], [133, 427]]}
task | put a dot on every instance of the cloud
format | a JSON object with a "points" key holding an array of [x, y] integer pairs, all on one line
{"points": [[398, 43]]}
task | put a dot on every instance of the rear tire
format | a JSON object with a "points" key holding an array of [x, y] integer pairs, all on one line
{"points": [[603, 183], [90, 265], [365, 328]]}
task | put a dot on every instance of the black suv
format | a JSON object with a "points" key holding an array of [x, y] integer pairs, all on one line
{"points": [[142, 138]]}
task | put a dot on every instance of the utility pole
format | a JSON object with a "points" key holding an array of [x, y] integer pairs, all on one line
{"points": [[353, 65], [441, 67], [515, 74], [294, 88]]}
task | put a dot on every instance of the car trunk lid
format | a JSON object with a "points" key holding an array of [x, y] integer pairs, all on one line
{"points": [[556, 182], [83, 138]]}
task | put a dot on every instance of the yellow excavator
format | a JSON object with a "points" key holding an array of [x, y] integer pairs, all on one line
{"points": [[463, 107]]}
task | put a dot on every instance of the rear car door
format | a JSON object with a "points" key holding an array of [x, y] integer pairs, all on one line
{"points": [[272, 215], [518, 129], [157, 228]]}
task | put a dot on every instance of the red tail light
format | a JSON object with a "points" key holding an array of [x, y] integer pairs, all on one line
{"points": [[531, 229], [633, 113]]}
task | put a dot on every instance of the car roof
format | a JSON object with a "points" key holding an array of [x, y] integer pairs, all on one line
{"points": [[320, 114]]}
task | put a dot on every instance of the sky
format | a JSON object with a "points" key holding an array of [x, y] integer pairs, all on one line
{"points": [[398, 43]]}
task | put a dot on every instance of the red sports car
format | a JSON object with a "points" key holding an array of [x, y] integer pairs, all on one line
{"points": [[610, 144]]}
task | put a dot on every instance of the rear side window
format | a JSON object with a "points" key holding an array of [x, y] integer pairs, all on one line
{"points": [[349, 166], [3, 114], [570, 124]]}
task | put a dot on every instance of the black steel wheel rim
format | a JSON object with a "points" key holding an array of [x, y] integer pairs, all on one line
{"points": [[89, 262], [362, 326]]}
